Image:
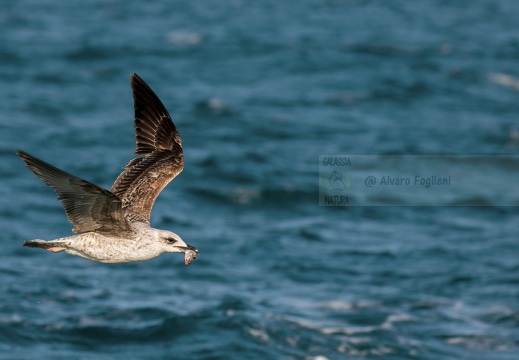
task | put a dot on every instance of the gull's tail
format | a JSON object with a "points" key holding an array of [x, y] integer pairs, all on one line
{"points": [[42, 244]]}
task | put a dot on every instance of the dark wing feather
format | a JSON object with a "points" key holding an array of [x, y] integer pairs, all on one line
{"points": [[156, 138], [88, 206], [150, 114]]}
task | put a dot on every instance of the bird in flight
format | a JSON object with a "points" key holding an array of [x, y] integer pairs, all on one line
{"points": [[114, 226]]}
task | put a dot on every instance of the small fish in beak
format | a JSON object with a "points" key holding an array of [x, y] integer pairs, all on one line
{"points": [[189, 256]]}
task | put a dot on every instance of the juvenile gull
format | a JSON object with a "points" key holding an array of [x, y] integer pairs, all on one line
{"points": [[114, 226]]}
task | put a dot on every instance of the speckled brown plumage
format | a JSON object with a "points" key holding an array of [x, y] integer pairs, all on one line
{"points": [[113, 225], [157, 138]]}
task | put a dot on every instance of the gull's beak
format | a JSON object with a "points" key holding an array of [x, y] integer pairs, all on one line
{"points": [[183, 249]]}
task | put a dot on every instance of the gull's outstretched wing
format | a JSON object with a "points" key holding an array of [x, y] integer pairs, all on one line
{"points": [[156, 138], [88, 206]]}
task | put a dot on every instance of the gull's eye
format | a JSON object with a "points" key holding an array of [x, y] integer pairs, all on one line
{"points": [[171, 240]]}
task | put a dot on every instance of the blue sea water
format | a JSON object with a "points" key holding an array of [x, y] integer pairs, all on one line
{"points": [[258, 91]]}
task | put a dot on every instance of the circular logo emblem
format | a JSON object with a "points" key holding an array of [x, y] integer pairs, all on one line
{"points": [[336, 181]]}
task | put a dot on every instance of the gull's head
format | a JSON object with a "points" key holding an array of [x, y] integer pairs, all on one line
{"points": [[171, 242]]}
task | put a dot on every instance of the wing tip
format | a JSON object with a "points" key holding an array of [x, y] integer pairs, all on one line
{"points": [[27, 158], [136, 80], [21, 153]]}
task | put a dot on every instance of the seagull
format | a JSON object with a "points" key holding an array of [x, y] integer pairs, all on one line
{"points": [[114, 226]]}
